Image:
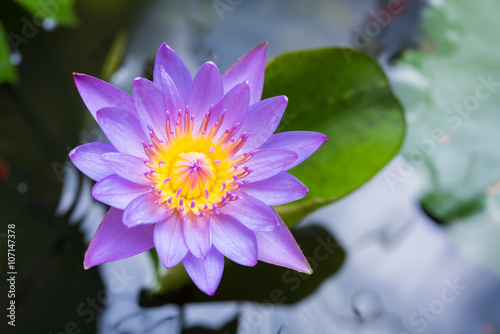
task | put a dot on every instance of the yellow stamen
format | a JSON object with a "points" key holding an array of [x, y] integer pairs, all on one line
{"points": [[195, 172]]}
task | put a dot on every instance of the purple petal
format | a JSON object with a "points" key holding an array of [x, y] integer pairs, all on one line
{"points": [[169, 241], [205, 91], [234, 104], [207, 273], [269, 162], [234, 240], [277, 190], [142, 210], [98, 94], [197, 235], [251, 212], [262, 120], [127, 166], [151, 107], [175, 68], [281, 249], [87, 158], [117, 192], [114, 241], [173, 101], [123, 130], [304, 143], [249, 68]]}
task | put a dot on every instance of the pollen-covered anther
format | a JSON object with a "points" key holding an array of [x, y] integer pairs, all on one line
{"points": [[234, 146]]}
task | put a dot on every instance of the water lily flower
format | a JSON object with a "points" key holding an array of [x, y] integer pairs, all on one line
{"points": [[193, 168]]}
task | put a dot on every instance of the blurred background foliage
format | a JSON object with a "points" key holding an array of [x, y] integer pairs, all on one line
{"points": [[452, 63], [42, 120], [451, 86]]}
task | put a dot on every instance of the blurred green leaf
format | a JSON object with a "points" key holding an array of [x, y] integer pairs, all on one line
{"points": [[114, 57], [8, 72], [344, 94], [263, 283], [444, 206], [61, 11]]}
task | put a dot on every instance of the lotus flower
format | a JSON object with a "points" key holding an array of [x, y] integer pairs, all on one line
{"points": [[193, 168]]}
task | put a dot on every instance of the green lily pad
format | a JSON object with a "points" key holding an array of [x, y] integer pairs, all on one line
{"points": [[344, 94], [291, 214]]}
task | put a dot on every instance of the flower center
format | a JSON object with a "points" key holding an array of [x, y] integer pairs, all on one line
{"points": [[195, 172]]}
